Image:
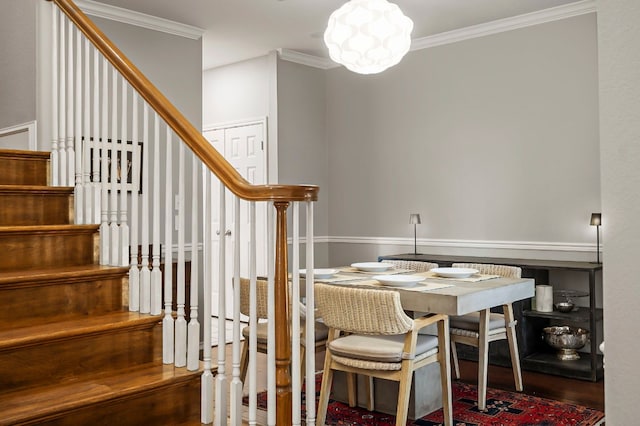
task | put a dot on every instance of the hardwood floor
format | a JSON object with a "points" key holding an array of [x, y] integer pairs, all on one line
{"points": [[573, 391]]}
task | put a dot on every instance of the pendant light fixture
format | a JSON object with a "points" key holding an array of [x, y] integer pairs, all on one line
{"points": [[368, 36]]}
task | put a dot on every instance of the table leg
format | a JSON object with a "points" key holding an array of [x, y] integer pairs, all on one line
{"points": [[483, 359]]}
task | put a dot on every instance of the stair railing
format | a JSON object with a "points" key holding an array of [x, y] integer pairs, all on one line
{"points": [[115, 138]]}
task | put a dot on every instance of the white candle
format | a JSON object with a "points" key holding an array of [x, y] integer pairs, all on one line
{"points": [[544, 298]]}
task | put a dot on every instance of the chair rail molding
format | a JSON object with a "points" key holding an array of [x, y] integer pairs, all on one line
{"points": [[482, 244]]}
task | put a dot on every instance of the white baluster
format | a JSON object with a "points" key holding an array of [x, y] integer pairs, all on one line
{"points": [[221, 378], [96, 194], [134, 270], [310, 342], [156, 275], [124, 176], [181, 322], [55, 82], [193, 330], [295, 318], [168, 325], [206, 381], [145, 272], [114, 231], [87, 187], [62, 107], [236, 383], [78, 189], [70, 154], [271, 330], [105, 246], [253, 320]]}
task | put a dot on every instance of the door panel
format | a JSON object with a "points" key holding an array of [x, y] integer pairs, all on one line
{"points": [[243, 147]]}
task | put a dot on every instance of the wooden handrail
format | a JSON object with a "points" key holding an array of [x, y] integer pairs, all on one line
{"points": [[179, 124]]}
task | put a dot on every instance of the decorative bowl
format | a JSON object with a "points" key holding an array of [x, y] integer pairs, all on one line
{"points": [[566, 340], [565, 306]]}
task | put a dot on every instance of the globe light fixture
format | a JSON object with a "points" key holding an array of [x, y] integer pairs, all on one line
{"points": [[368, 36]]}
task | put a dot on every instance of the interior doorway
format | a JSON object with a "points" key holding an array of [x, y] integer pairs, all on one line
{"points": [[244, 145]]}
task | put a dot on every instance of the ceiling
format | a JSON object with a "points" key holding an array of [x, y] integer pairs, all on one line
{"points": [[236, 30]]}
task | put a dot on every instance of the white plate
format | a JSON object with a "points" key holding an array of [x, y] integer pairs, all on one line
{"points": [[320, 273], [372, 266], [454, 272], [399, 280]]}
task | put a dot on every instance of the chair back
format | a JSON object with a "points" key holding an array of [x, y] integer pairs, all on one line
{"points": [[490, 269], [361, 310], [261, 297], [414, 265]]}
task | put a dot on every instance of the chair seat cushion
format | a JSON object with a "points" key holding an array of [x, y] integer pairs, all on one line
{"points": [[472, 321], [321, 332], [379, 348]]}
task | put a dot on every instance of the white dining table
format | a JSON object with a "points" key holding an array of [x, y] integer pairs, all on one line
{"points": [[435, 295]]}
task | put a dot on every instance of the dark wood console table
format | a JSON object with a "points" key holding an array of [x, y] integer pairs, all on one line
{"points": [[535, 354]]}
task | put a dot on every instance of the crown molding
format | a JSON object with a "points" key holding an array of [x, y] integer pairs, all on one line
{"points": [[304, 59], [494, 27], [507, 24], [143, 20]]}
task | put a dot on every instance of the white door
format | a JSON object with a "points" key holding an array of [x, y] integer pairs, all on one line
{"points": [[244, 147]]}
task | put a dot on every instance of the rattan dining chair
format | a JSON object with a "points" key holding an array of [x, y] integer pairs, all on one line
{"points": [[321, 330], [381, 341], [413, 265], [467, 330]]}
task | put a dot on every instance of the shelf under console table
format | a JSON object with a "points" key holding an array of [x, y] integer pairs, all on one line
{"points": [[535, 355]]}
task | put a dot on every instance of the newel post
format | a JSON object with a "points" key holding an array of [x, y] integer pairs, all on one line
{"points": [[283, 336]]}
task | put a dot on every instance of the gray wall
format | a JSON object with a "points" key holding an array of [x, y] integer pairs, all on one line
{"points": [[17, 62], [491, 139], [172, 63], [302, 141], [619, 50]]}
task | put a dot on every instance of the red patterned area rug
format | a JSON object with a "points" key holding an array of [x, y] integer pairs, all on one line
{"points": [[503, 409]]}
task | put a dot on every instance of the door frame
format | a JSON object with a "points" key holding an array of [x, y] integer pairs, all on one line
{"points": [[265, 132]]}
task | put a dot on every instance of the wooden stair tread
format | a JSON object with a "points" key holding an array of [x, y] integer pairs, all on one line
{"points": [[48, 229], [19, 153], [42, 402], [69, 273], [29, 333], [35, 189]]}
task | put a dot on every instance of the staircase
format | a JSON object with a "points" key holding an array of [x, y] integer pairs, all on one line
{"points": [[70, 351]]}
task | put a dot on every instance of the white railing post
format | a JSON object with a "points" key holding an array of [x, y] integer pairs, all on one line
{"points": [[193, 331], [55, 82], [123, 237], [145, 272], [207, 381], [134, 270], [69, 154], [78, 193], [310, 342], [105, 247], [271, 330], [62, 106], [295, 318], [253, 320], [168, 324], [156, 276], [221, 378], [85, 140], [236, 383], [96, 193], [181, 322], [114, 232]]}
